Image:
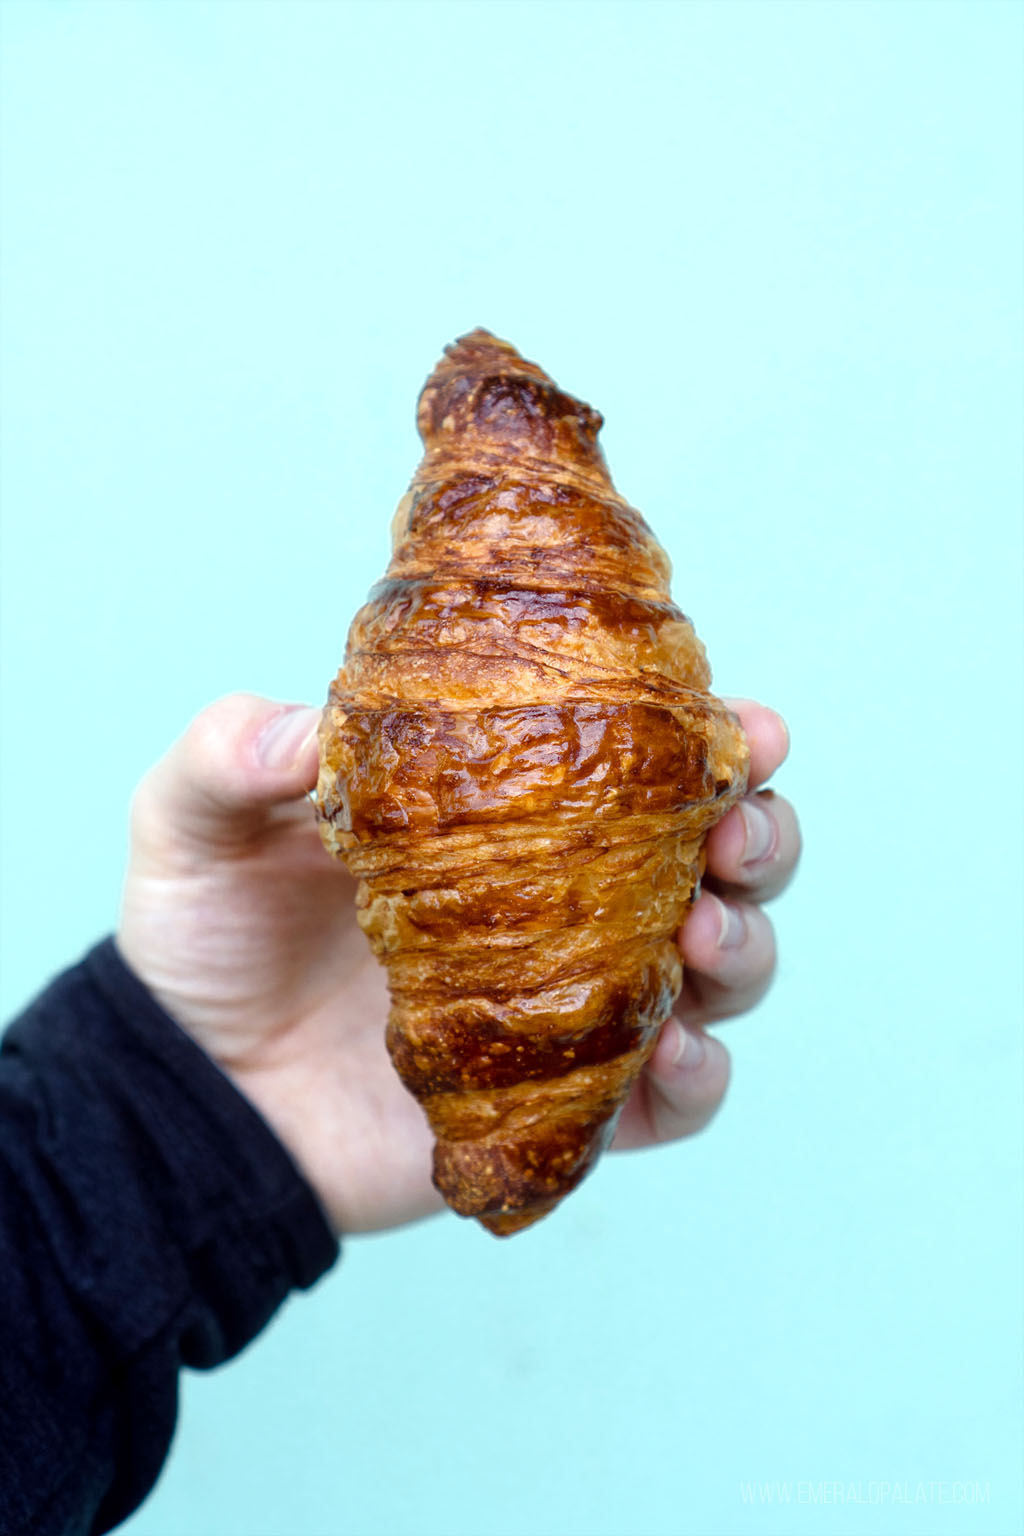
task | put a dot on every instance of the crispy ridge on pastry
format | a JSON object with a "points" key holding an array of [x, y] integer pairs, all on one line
{"points": [[520, 761]]}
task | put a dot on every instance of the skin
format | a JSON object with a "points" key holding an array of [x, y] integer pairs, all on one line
{"points": [[245, 930]]}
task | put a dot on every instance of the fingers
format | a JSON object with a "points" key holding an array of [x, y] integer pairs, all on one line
{"points": [[728, 950], [767, 735], [238, 759], [727, 945], [680, 1090], [753, 851], [727, 942]]}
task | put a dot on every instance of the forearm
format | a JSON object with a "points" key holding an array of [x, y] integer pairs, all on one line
{"points": [[149, 1219]]}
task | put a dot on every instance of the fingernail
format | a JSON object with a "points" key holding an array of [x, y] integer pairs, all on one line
{"points": [[761, 832], [284, 740], [688, 1049], [732, 925]]}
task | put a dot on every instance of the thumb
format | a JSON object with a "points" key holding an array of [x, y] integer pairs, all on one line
{"points": [[240, 757]]}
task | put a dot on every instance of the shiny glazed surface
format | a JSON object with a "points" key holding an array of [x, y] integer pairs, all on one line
{"points": [[520, 761]]}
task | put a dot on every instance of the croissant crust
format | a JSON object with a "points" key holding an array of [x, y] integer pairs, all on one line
{"points": [[520, 761]]}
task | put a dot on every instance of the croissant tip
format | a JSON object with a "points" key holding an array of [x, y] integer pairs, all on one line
{"points": [[486, 394], [479, 345], [506, 1223]]}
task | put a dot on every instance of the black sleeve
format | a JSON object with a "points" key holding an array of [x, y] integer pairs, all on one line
{"points": [[149, 1219]]}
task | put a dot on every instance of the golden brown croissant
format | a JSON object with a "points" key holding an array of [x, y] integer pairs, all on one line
{"points": [[520, 761]]}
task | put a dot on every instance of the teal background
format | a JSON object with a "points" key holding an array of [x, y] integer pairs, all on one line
{"points": [[779, 246]]}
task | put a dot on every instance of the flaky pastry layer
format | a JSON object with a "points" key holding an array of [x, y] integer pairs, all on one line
{"points": [[520, 761]]}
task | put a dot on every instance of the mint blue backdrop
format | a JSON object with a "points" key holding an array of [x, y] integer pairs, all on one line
{"points": [[778, 245]]}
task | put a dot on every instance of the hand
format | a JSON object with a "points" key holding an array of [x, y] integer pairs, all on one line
{"points": [[727, 944], [245, 930]]}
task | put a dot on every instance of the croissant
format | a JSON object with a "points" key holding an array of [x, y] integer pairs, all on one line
{"points": [[520, 761]]}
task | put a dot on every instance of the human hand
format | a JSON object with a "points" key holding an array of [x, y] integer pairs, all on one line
{"points": [[245, 930]]}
